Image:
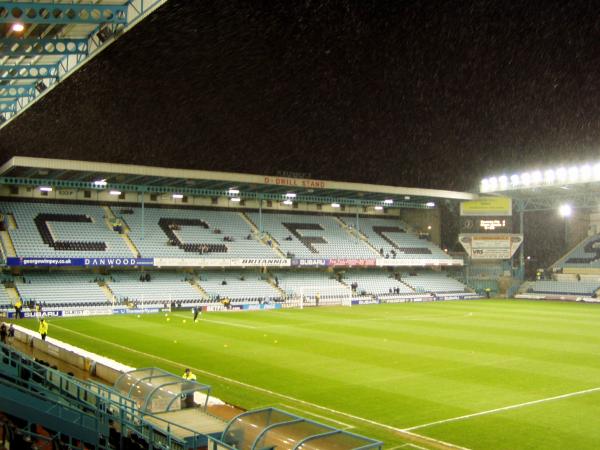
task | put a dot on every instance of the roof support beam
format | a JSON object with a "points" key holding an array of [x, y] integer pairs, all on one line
{"points": [[37, 47], [18, 181], [62, 13], [28, 71], [17, 91]]}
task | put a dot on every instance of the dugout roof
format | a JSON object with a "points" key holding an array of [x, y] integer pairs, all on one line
{"points": [[125, 177], [58, 37], [273, 428]]}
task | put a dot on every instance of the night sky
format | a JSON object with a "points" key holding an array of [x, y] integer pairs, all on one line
{"points": [[410, 93]]}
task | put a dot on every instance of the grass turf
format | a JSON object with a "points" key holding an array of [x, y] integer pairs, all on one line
{"points": [[375, 368]]}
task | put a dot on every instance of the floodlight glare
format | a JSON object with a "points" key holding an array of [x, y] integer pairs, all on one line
{"points": [[115, 192], [596, 171], [573, 173], [549, 176], [407, 197], [493, 183], [45, 189], [485, 185], [378, 208], [178, 196], [565, 210], [515, 180], [503, 181], [561, 174], [585, 172], [388, 201], [335, 205], [288, 202], [233, 191], [236, 199], [430, 204], [100, 182], [526, 178], [536, 177], [290, 195], [17, 27]]}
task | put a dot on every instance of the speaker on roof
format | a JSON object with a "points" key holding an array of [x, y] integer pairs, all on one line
{"points": [[40, 86]]}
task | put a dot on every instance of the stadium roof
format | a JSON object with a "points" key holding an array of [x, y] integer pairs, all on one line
{"points": [[124, 177], [44, 42]]}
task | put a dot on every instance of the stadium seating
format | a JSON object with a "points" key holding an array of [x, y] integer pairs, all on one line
{"points": [[376, 282], [188, 233], [5, 302], [587, 288], [64, 288], [162, 287], [428, 281], [239, 286], [585, 255], [308, 283], [63, 230], [312, 236], [390, 236]]}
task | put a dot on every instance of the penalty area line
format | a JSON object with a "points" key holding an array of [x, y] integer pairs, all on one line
{"points": [[401, 431], [505, 408]]}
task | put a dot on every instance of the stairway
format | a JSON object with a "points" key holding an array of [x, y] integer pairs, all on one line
{"points": [[7, 244], [357, 234], [13, 294], [271, 281], [109, 219], [195, 284], [109, 294]]}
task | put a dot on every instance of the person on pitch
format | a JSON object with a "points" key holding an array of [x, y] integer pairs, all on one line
{"points": [[43, 329]]}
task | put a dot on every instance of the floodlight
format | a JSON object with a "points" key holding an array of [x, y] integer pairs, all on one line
{"points": [[561, 174], [378, 208], [45, 189], [388, 201], [335, 205], [288, 202], [233, 191], [100, 183], [119, 193], [565, 210], [573, 174], [585, 172], [291, 195], [549, 176], [177, 196], [407, 197], [515, 180], [236, 199], [17, 27], [503, 181], [536, 177], [485, 185], [429, 227], [596, 171], [430, 204], [493, 183], [526, 178]]}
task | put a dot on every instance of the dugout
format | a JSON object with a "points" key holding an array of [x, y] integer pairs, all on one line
{"points": [[272, 428], [156, 390]]}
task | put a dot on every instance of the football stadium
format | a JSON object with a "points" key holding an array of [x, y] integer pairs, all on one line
{"points": [[311, 312], [147, 306]]}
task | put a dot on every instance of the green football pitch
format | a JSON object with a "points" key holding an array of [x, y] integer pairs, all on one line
{"points": [[486, 374]]}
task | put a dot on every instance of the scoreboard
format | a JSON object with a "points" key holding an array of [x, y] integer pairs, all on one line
{"points": [[486, 224]]}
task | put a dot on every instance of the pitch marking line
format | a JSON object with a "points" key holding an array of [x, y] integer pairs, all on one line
{"points": [[231, 324], [505, 408], [400, 431], [345, 425]]}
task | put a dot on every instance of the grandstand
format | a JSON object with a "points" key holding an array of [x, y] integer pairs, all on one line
{"points": [[309, 236], [238, 286], [60, 289], [192, 232], [152, 287], [61, 230]]}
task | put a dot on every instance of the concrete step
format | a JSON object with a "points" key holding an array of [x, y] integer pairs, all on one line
{"points": [[13, 294], [203, 293], [109, 294], [7, 244], [356, 233]]}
